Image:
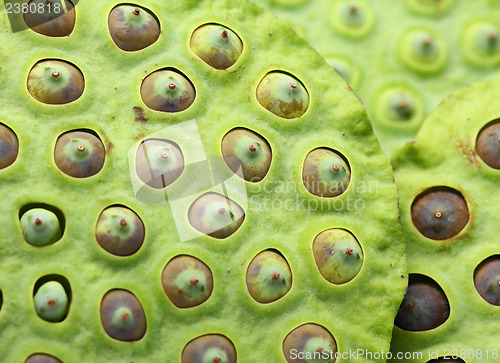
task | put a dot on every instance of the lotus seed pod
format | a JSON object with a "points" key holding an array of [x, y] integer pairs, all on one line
{"points": [[42, 358], [488, 145], [167, 91], [216, 215], [79, 154], [159, 162], [211, 348], [283, 95], [313, 342], [120, 231], [446, 360], [9, 146], [325, 173], [216, 45], [187, 281], [423, 51], [245, 149], [132, 27], [269, 277], [482, 43], [51, 302], [122, 316], [440, 213], [40, 227], [51, 18], [487, 280], [55, 82], [338, 255]]}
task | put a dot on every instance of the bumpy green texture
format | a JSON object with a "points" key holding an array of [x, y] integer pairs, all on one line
{"points": [[445, 155], [280, 214], [401, 57]]}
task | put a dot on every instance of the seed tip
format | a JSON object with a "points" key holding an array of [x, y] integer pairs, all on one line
{"points": [[222, 211], [171, 85], [224, 34], [164, 155], [125, 316], [438, 214], [349, 251], [38, 221], [252, 148], [293, 85], [335, 167], [136, 11], [51, 302], [55, 74], [194, 282], [123, 222], [275, 276], [81, 148]]}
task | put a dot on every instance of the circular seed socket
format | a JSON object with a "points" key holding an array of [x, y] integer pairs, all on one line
{"points": [[55, 82], [209, 348], [487, 280], [429, 7], [422, 51], [42, 358], [159, 162], [9, 146], [187, 281], [167, 91], [79, 154], [50, 17], [338, 255], [482, 43], [119, 231], [40, 227], [353, 18], [122, 316], [446, 360], [216, 45], [269, 277], [245, 149], [283, 95], [326, 173], [488, 145], [424, 307], [215, 215], [399, 105], [440, 213], [345, 69], [309, 340], [51, 302], [132, 27]]}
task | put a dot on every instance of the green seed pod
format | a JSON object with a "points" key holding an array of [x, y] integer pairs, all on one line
{"points": [[216, 45], [211, 348], [9, 146], [283, 95], [51, 302], [268, 277], [487, 280], [440, 213], [424, 307], [132, 27], [79, 154], [422, 51], [446, 360], [215, 215], [50, 18], [325, 173], [312, 341], [488, 145], [55, 82], [42, 358], [119, 231], [40, 227], [122, 316], [159, 162], [338, 255], [250, 151], [482, 43], [167, 91], [187, 281]]}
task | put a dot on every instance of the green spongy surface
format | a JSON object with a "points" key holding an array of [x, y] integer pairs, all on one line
{"points": [[444, 154], [280, 213], [373, 54]]}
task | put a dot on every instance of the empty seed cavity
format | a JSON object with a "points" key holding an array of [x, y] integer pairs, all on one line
{"points": [[482, 43], [487, 279], [309, 340], [352, 18], [42, 358], [422, 51], [52, 298], [9, 146], [209, 348], [41, 224], [55, 18], [488, 144]]}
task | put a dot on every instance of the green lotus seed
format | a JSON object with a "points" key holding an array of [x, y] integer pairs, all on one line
{"points": [[488, 145], [429, 7], [211, 348], [245, 149], [268, 277], [325, 173], [482, 43], [132, 27], [422, 51], [55, 82], [487, 280], [51, 302], [120, 231], [338, 255], [47, 20], [446, 360], [167, 91], [352, 18], [187, 281], [215, 215], [283, 95], [79, 154], [216, 45], [40, 227], [9, 146], [313, 342], [122, 316], [440, 213], [399, 105], [42, 358], [159, 162], [424, 307]]}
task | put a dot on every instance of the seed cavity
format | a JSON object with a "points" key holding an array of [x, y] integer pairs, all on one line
{"points": [[429, 7], [488, 144], [306, 340], [487, 279], [422, 51], [481, 43], [352, 18], [52, 297], [41, 224], [42, 358], [209, 348], [9, 146], [53, 19], [447, 359]]}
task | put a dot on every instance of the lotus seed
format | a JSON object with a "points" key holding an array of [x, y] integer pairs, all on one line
{"points": [[51, 302], [447, 360], [422, 51], [308, 340], [488, 145], [487, 280], [40, 227], [209, 348], [47, 21], [9, 147], [42, 358]]}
